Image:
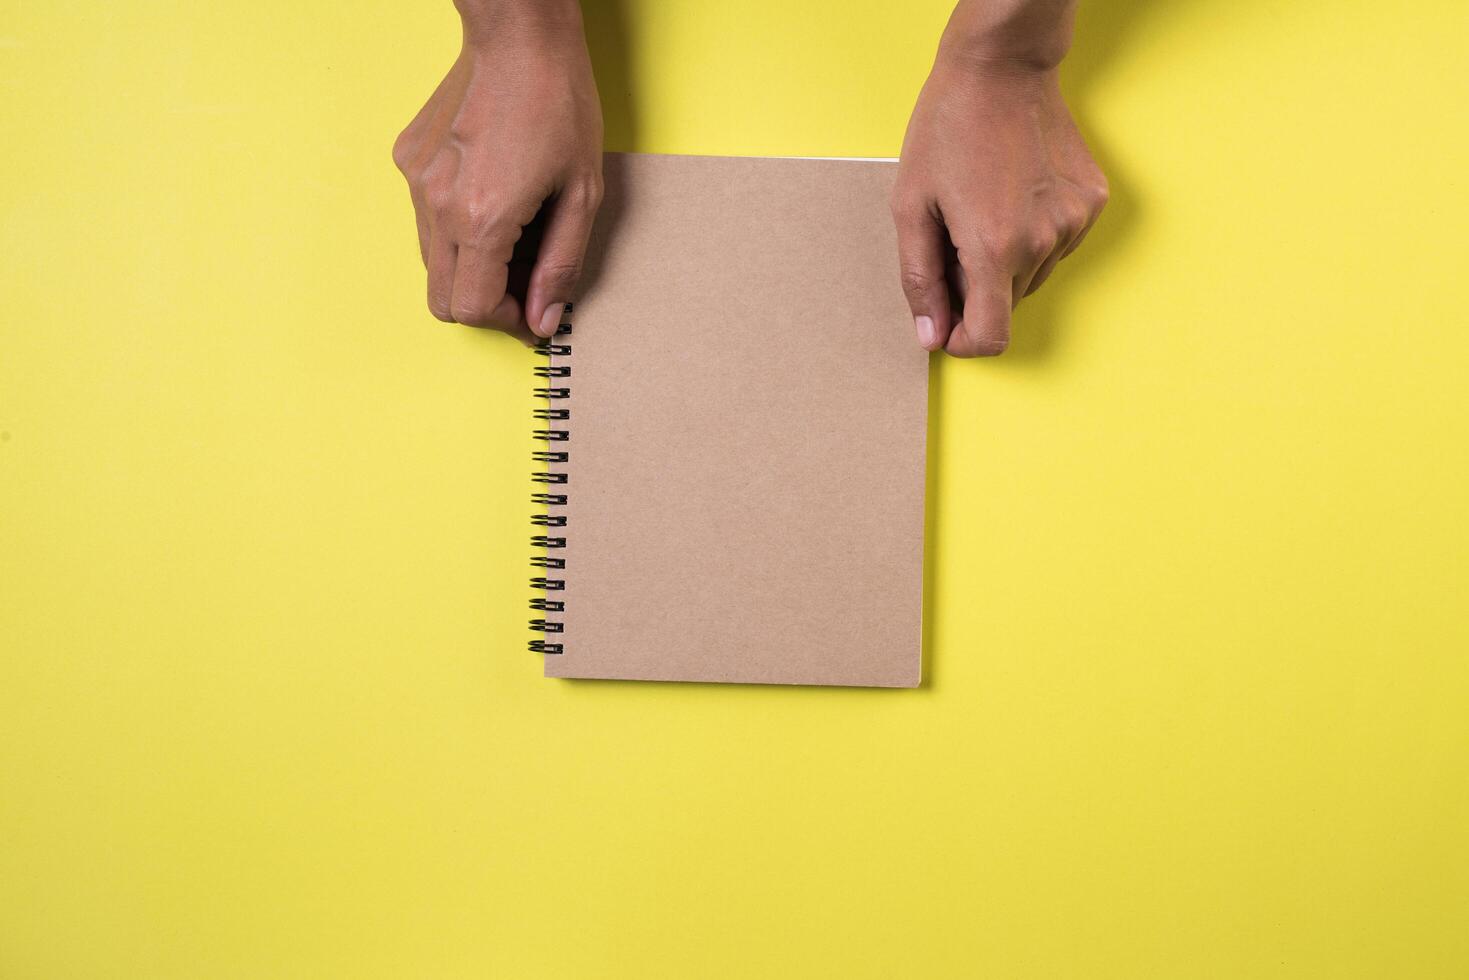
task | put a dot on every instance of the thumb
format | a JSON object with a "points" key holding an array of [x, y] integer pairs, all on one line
{"points": [[921, 244], [562, 253]]}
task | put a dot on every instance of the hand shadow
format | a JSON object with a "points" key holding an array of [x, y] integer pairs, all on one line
{"points": [[1103, 28], [610, 46]]}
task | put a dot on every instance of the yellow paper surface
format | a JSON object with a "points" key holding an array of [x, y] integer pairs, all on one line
{"points": [[1196, 606]]}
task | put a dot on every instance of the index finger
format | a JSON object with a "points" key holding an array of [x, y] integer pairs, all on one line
{"points": [[481, 274], [984, 329]]}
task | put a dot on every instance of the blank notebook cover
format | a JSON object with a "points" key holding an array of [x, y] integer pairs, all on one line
{"points": [[734, 428]]}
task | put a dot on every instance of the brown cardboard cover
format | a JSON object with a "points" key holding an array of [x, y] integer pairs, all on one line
{"points": [[748, 417]]}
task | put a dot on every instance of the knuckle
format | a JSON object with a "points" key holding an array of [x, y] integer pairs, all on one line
{"points": [[494, 219], [439, 198], [988, 345], [988, 339], [487, 220], [1073, 219], [999, 250], [917, 282], [585, 193], [480, 214], [991, 346], [1040, 242], [403, 153], [469, 314], [561, 271], [433, 169], [463, 132]]}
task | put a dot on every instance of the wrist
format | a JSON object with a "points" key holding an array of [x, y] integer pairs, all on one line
{"points": [[1008, 37], [496, 23]]}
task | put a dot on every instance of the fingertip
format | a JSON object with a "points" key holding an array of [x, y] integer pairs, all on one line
{"points": [[958, 342], [990, 341], [549, 321], [507, 314], [984, 329], [928, 334], [987, 341]]}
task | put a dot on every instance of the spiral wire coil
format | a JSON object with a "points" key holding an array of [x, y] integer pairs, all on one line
{"points": [[545, 541]]}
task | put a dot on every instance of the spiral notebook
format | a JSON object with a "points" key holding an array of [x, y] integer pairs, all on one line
{"points": [[734, 429]]}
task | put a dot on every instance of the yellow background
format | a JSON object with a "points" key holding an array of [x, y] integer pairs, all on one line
{"points": [[1198, 697]]}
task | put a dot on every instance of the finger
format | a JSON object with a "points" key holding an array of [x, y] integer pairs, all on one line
{"points": [[1017, 287], [922, 243], [559, 263], [1074, 224], [424, 235], [958, 285], [1039, 249], [1043, 272], [479, 297], [441, 255], [420, 215], [984, 330], [1076, 241]]}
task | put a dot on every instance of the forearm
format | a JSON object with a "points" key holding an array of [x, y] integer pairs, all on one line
{"points": [[519, 20], [1009, 34]]}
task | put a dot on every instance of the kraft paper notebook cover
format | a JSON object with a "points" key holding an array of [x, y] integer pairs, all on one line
{"points": [[734, 433]]}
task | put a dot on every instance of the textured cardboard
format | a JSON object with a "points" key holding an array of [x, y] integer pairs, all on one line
{"points": [[748, 417]]}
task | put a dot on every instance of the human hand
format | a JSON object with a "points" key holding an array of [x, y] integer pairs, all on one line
{"points": [[504, 165], [995, 186]]}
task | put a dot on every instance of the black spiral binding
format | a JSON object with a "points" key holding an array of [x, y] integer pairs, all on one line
{"points": [[547, 541]]}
